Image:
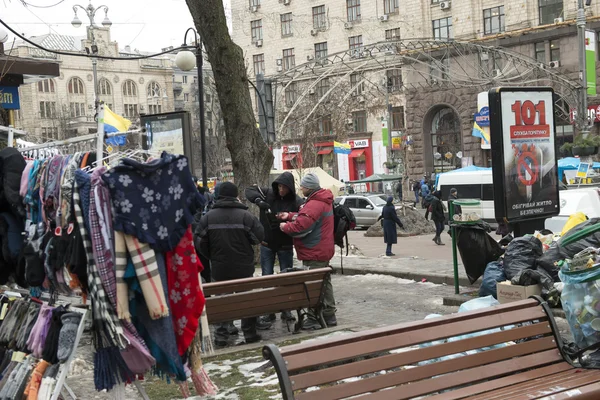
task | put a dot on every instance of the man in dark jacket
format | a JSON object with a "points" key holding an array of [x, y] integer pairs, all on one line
{"points": [[227, 234], [280, 197], [437, 215], [454, 196]]}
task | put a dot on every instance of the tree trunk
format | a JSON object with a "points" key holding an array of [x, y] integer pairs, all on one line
{"points": [[251, 158]]}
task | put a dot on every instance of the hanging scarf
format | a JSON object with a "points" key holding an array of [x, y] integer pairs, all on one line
{"points": [[202, 382], [154, 201], [66, 191], [185, 295]]}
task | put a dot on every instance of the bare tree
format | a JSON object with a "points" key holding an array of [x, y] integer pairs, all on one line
{"points": [[251, 157]]}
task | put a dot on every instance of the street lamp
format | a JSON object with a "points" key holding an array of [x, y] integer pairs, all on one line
{"points": [[90, 11], [583, 116], [185, 62]]}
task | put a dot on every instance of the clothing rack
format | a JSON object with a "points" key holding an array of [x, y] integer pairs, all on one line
{"points": [[11, 133]]}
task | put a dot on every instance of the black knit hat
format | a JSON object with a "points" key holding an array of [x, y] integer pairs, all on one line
{"points": [[228, 189]]}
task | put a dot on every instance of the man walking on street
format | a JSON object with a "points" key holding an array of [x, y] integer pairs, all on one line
{"points": [[312, 230], [227, 234], [281, 197], [416, 187], [438, 216]]}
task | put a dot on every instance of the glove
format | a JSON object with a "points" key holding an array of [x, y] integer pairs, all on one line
{"points": [[262, 204]]}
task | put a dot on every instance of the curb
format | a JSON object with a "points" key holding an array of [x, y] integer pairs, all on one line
{"points": [[434, 278], [457, 300]]}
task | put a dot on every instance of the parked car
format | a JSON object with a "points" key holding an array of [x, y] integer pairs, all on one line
{"points": [[366, 208]]}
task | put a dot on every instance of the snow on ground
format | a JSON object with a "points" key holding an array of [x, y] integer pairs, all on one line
{"points": [[382, 278]]}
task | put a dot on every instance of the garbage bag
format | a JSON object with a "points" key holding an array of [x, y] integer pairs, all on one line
{"points": [[493, 274], [521, 254], [581, 302], [529, 277], [582, 236], [477, 249]]}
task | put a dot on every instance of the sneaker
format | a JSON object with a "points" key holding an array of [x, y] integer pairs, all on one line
{"points": [[253, 339], [270, 317], [390, 254], [263, 324], [330, 320], [287, 316], [311, 324]]}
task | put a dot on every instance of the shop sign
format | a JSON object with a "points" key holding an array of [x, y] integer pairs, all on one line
{"points": [[396, 143], [483, 117], [359, 144], [9, 97], [593, 114], [295, 148], [523, 153]]}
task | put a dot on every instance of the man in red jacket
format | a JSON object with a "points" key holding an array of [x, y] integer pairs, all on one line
{"points": [[312, 230]]}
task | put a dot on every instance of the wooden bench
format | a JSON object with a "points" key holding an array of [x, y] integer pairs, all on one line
{"points": [[373, 364], [253, 297]]}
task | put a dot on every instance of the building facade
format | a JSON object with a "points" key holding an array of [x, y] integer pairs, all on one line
{"points": [[279, 35]]}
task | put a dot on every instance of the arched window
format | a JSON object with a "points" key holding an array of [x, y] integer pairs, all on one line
{"points": [[154, 89], [75, 86], [129, 88], [46, 86], [104, 87], [446, 140]]}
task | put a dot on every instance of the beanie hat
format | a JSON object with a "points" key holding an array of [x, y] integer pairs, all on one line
{"points": [[228, 189], [310, 181], [453, 190], [390, 199]]}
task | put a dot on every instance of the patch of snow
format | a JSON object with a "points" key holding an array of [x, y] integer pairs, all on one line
{"points": [[404, 349], [246, 368], [225, 375], [214, 367], [353, 379], [312, 389], [268, 381], [275, 397], [330, 335], [381, 278]]}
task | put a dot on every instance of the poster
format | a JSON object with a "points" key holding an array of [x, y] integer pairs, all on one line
{"points": [[590, 62], [523, 151], [481, 125], [582, 171]]}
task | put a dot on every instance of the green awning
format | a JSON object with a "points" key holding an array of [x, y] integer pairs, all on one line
{"points": [[378, 178]]}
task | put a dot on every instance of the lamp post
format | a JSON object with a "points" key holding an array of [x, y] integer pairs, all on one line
{"points": [[90, 11], [185, 61], [581, 41]]}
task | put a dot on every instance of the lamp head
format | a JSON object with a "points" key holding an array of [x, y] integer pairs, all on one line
{"points": [[76, 21], [185, 60], [3, 35], [106, 22]]}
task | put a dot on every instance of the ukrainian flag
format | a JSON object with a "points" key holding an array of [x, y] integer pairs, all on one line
{"points": [[114, 123], [480, 133], [341, 148]]}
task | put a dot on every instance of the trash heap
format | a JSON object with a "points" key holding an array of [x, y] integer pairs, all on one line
{"points": [[414, 223]]}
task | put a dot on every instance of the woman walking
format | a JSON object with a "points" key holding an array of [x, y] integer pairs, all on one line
{"points": [[390, 220], [437, 215]]}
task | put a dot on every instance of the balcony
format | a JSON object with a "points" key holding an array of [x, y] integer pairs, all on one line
{"points": [[179, 105], [177, 87]]}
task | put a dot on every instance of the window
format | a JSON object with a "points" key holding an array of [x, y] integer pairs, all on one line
{"points": [[435, 1], [50, 132], [77, 109], [259, 64], [439, 68], [319, 17], [47, 109], [390, 6], [104, 87], [286, 24], [321, 50], [355, 42], [75, 86], [356, 84], [325, 126], [363, 203], [291, 94], [554, 50], [359, 119], [394, 79], [397, 116], [154, 89], [353, 10], [207, 98], [322, 87], [392, 34], [549, 10], [289, 59], [46, 86], [442, 29], [130, 110], [254, 3], [186, 97], [256, 30], [184, 79], [540, 52], [154, 108], [493, 20], [129, 88]]}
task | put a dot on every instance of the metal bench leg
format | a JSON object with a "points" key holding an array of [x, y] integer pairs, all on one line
{"points": [[298, 325]]}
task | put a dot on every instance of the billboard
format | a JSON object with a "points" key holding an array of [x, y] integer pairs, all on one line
{"points": [[524, 163]]}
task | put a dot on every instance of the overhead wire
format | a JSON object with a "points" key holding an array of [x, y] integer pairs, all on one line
{"points": [[26, 4]]}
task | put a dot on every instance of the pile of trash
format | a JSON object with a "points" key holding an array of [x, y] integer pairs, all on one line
{"points": [[414, 223]]}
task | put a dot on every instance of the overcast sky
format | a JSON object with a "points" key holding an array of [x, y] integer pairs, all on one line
{"points": [[147, 25]]}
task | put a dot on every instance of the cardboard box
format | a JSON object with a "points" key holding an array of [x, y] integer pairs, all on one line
{"points": [[507, 292]]}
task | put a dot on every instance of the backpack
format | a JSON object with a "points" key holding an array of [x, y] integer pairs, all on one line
{"points": [[343, 221]]}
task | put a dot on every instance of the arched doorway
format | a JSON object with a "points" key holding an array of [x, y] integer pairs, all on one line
{"points": [[444, 136]]}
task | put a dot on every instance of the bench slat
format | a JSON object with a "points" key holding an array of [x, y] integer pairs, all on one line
{"points": [[257, 294], [385, 362], [545, 386], [261, 282], [405, 339], [503, 357], [530, 304], [507, 381], [587, 392]]}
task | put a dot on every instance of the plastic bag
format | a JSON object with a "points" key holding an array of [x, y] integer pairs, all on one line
{"points": [[530, 277], [478, 304], [581, 302], [521, 254], [493, 274], [477, 249], [584, 235]]}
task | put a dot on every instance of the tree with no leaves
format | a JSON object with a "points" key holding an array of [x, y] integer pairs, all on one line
{"points": [[250, 156]]}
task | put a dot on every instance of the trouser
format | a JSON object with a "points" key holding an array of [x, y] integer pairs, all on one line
{"points": [[248, 328], [328, 299], [388, 249], [439, 227], [416, 197], [206, 271], [267, 260]]}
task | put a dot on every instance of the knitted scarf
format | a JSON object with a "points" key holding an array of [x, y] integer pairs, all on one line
{"points": [[154, 201], [185, 295]]}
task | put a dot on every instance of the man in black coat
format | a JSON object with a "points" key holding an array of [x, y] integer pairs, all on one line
{"points": [[227, 234], [280, 197]]}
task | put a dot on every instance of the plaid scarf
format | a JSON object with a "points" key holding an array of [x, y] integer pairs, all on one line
{"points": [[102, 311]]}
